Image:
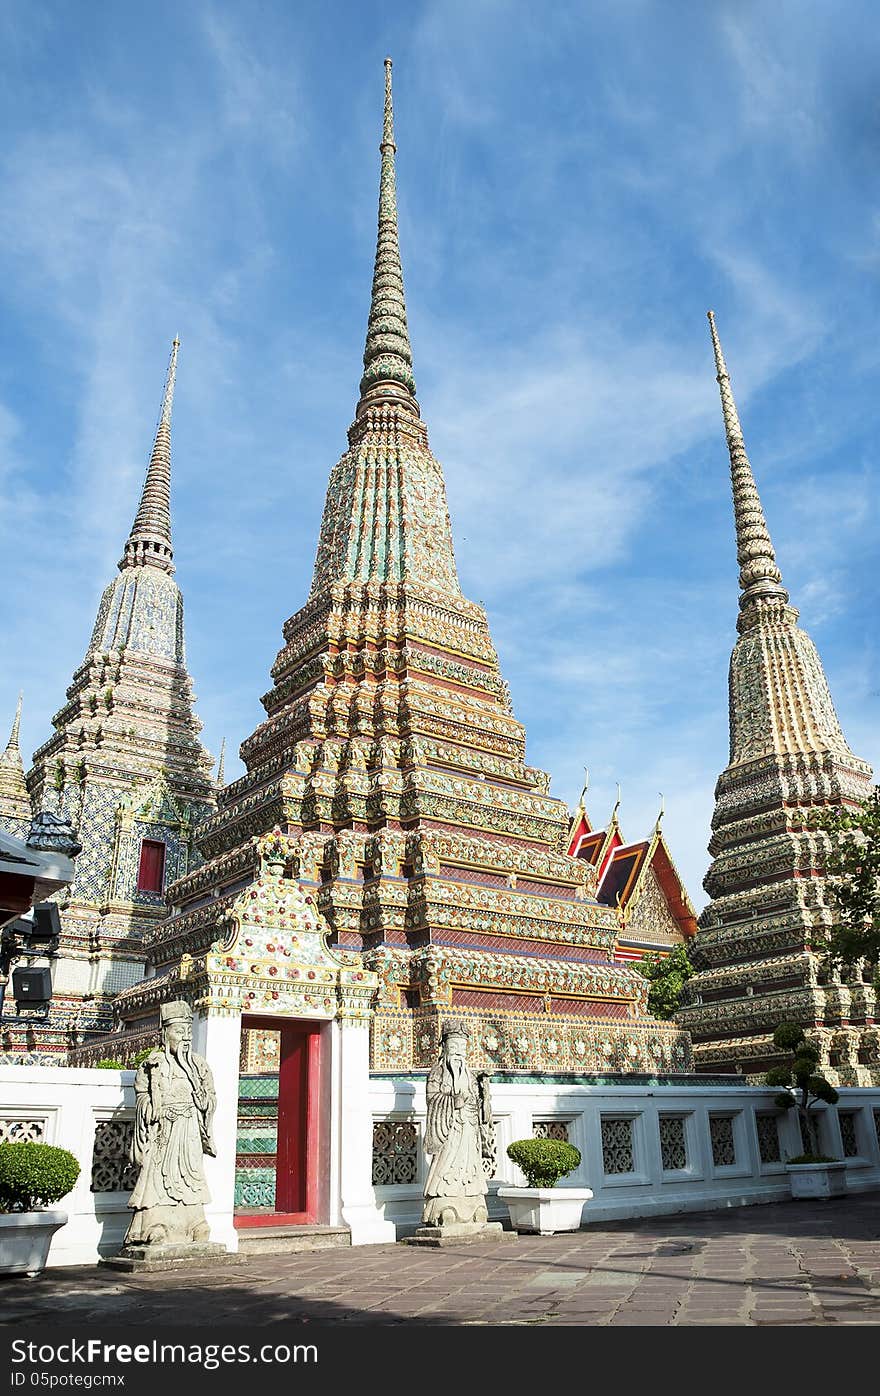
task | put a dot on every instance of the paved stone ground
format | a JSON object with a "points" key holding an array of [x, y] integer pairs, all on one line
{"points": [[783, 1264]]}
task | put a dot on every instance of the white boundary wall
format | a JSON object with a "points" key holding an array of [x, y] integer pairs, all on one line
{"points": [[64, 1105], [68, 1102], [647, 1189]]}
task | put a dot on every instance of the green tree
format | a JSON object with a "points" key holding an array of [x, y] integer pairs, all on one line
{"points": [[799, 1074], [668, 975], [853, 862]]}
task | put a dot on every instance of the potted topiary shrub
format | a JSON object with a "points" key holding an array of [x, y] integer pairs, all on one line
{"points": [[812, 1173], [541, 1206], [32, 1177]]}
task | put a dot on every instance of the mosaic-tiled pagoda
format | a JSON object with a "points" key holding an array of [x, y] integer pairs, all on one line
{"points": [[15, 801], [126, 768], [761, 937], [394, 770]]}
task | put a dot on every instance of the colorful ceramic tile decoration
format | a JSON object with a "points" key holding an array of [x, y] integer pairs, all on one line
{"points": [[761, 935], [389, 853], [125, 765]]}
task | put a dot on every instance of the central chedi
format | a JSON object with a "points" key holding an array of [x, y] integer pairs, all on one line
{"points": [[394, 769]]}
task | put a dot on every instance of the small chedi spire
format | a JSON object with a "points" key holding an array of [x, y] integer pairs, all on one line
{"points": [[759, 576], [221, 764], [388, 376], [12, 755], [149, 543], [15, 802]]}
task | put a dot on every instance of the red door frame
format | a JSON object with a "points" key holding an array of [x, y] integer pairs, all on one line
{"points": [[297, 1180]]}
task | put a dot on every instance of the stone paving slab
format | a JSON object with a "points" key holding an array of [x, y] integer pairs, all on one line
{"points": [[792, 1263]]}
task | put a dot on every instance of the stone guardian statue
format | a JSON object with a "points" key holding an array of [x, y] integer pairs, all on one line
{"points": [[459, 1134], [172, 1131]]}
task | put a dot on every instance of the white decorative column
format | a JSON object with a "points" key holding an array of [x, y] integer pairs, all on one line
{"points": [[217, 1036], [353, 1198]]}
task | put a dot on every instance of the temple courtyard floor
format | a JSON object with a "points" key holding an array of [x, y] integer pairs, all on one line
{"points": [[782, 1264]]}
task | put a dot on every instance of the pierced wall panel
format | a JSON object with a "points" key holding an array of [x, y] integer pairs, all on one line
{"points": [[112, 1169], [550, 1129], [395, 1152], [723, 1142], [768, 1138], [23, 1131], [673, 1143], [848, 1135], [618, 1152]]}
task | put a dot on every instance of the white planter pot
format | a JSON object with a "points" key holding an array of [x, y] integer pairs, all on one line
{"points": [[818, 1180], [545, 1210], [25, 1238]]}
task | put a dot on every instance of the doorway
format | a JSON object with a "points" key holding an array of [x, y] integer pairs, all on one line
{"points": [[277, 1166]]}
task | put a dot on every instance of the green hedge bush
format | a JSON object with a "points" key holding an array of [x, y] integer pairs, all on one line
{"points": [[33, 1176], [117, 1064], [544, 1161]]}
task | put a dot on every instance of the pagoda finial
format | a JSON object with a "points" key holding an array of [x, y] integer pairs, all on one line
{"points": [[388, 376], [759, 576], [149, 543], [221, 767], [12, 755]]}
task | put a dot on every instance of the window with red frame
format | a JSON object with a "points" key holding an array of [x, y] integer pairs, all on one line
{"points": [[151, 871]]}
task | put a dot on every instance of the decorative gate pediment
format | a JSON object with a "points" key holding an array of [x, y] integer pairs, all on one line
{"points": [[273, 956], [152, 802]]}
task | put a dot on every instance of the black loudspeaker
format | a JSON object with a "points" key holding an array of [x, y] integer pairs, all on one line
{"points": [[45, 928], [32, 985]]}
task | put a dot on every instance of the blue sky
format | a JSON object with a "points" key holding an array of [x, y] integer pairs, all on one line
{"points": [[577, 185]]}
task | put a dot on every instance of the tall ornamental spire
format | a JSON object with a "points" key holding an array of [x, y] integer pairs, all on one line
{"points": [[221, 765], [15, 802], [758, 951], [759, 576], [386, 518], [149, 542], [12, 755], [388, 376]]}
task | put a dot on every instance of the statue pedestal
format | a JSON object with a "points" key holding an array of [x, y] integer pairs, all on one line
{"points": [[459, 1233], [171, 1256]]}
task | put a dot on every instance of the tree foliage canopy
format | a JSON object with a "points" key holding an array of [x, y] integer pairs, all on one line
{"points": [[668, 975], [853, 863], [799, 1074]]}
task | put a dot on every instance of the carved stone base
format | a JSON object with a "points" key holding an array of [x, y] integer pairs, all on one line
{"points": [[459, 1233], [455, 1211], [180, 1224], [181, 1256]]}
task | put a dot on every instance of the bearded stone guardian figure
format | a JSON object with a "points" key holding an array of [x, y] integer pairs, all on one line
{"points": [[175, 1107], [460, 1135]]}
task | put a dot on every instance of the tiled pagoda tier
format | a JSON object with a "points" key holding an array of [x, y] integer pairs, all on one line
{"points": [[761, 937], [392, 763], [126, 767]]}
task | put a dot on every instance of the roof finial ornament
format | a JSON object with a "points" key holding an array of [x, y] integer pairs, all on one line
{"points": [[660, 813], [583, 794], [149, 543], [759, 576], [616, 805], [388, 377]]}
